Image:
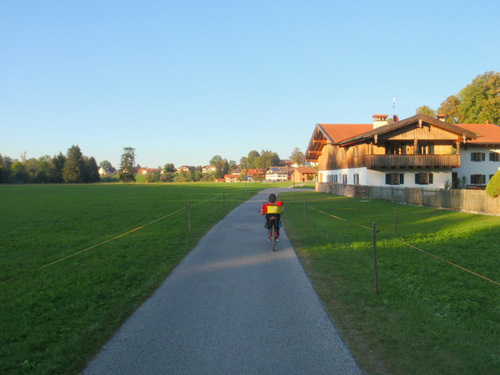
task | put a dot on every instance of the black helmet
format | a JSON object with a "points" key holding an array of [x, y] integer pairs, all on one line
{"points": [[272, 198]]}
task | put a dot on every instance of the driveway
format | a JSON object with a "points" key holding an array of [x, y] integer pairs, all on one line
{"points": [[231, 307]]}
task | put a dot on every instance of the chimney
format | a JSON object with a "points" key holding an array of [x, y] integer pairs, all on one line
{"points": [[441, 117], [379, 120]]}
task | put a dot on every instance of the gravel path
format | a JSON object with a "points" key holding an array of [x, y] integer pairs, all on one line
{"points": [[231, 307]]}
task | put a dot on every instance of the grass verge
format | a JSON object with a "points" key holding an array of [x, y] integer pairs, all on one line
{"points": [[429, 317], [54, 319]]}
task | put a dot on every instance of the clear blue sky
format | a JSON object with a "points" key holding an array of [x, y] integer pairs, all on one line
{"points": [[182, 81]]}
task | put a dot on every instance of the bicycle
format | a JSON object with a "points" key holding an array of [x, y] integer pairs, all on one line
{"points": [[273, 221]]}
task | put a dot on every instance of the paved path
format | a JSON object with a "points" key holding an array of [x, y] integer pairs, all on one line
{"points": [[231, 307]]}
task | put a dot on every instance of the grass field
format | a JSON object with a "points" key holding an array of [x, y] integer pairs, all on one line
{"points": [[54, 319], [429, 317], [108, 247]]}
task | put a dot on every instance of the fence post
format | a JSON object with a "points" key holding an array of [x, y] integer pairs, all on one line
{"points": [[305, 213], [395, 223], [189, 215], [375, 256]]}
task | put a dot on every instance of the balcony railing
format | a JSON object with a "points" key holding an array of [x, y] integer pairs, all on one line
{"points": [[411, 161]]}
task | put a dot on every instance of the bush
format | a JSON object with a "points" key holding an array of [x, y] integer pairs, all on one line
{"points": [[493, 187]]}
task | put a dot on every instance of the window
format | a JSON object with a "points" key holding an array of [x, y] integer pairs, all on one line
{"points": [[394, 179], [477, 156], [426, 149], [494, 156], [478, 179], [335, 178], [344, 179], [356, 179], [424, 178], [395, 149]]}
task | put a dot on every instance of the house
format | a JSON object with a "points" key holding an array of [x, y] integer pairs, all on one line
{"points": [[231, 177], [145, 171], [209, 169], [302, 174], [184, 168], [480, 157], [277, 174], [255, 174], [420, 151]]}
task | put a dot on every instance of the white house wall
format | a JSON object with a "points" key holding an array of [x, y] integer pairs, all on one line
{"points": [[377, 178], [468, 167]]}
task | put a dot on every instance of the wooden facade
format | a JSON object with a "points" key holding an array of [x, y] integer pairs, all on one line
{"points": [[419, 142]]}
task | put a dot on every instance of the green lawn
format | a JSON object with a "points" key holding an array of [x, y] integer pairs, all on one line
{"points": [[429, 317], [54, 319]]}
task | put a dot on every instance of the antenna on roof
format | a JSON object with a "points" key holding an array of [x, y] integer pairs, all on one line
{"points": [[394, 106]]}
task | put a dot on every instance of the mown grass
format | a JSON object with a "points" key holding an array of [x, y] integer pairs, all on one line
{"points": [[429, 316], [54, 319]]}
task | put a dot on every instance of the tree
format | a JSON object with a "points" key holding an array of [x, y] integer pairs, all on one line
{"points": [[480, 100], [105, 164], [221, 166], [18, 172], [92, 170], [426, 110], [449, 108], [169, 168], [267, 159], [252, 159], [493, 187], [243, 162], [297, 157], [127, 171], [5, 168], [74, 167], [215, 159], [56, 169]]}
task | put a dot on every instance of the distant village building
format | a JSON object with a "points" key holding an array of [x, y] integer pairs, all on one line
{"points": [[303, 174], [277, 174]]}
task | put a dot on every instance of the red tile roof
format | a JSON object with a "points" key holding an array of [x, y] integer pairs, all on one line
{"points": [[487, 133], [339, 132], [305, 170]]}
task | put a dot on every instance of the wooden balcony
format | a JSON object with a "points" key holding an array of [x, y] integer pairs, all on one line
{"points": [[411, 161]]}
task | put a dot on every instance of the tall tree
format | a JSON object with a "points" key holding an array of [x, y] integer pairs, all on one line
{"points": [[297, 157], [449, 108], [92, 170], [252, 159], [18, 172], [74, 167], [426, 110], [480, 100], [56, 169], [243, 162], [127, 171], [267, 159]]}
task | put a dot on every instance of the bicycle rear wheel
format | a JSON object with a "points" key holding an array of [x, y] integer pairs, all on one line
{"points": [[273, 237]]}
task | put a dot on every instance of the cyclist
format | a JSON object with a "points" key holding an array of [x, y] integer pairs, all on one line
{"points": [[276, 210]]}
